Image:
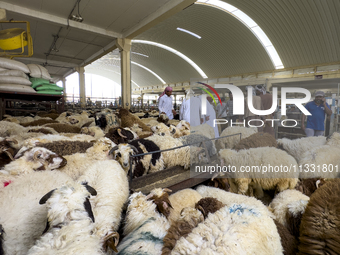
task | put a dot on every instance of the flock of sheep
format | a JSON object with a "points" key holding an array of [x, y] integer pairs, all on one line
{"points": [[85, 206]]}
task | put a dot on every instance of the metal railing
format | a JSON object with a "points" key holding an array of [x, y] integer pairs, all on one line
{"points": [[160, 151]]}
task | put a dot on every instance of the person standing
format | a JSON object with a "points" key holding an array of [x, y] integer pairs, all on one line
{"points": [[191, 109], [165, 103], [222, 113], [231, 115], [267, 102], [316, 122]]}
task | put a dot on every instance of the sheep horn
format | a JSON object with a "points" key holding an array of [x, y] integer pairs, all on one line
{"points": [[113, 149], [91, 190], [200, 208], [134, 149], [317, 183], [9, 154], [11, 140], [120, 133], [167, 190], [46, 197]]}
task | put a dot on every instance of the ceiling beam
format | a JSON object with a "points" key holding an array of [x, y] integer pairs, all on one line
{"points": [[38, 15], [105, 50], [169, 9], [52, 62]]}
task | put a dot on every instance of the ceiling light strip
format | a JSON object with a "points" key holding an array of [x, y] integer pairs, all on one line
{"points": [[252, 26], [189, 32], [192, 63]]}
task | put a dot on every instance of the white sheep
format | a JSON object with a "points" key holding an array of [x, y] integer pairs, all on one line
{"points": [[204, 129], [230, 142], [77, 163], [9, 129], [145, 226], [266, 167], [298, 147], [22, 217], [243, 226], [176, 157], [180, 200], [95, 131], [288, 207], [70, 223], [110, 181]]}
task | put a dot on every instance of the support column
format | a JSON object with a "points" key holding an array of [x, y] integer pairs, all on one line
{"points": [[63, 81], [124, 46], [81, 73], [142, 101]]}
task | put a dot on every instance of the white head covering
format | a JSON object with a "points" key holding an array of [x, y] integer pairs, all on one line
{"points": [[252, 89], [261, 88], [189, 93]]}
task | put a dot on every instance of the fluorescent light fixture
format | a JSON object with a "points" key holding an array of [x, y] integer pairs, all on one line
{"points": [[147, 69], [188, 32], [251, 24], [192, 63], [139, 54], [135, 83]]}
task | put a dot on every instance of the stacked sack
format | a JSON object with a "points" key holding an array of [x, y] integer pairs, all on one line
{"points": [[40, 81], [13, 76]]}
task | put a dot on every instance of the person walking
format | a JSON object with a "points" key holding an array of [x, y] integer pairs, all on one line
{"points": [[316, 122], [165, 103]]}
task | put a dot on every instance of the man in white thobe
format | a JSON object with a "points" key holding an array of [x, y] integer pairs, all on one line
{"points": [[165, 103], [210, 117], [191, 109]]}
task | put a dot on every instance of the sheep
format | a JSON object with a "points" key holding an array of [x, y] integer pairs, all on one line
{"points": [[39, 122], [35, 159], [119, 135], [288, 207], [146, 223], [106, 120], [6, 151], [310, 185], [174, 122], [288, 241], [43, 130], [176, 157], [110, 181], [197, 141], [77, 163], [64, 128], [139, 132], [161, 129], [258, 158], [321, 161], [188, 220], [256, 140], [21, 215], [70, 223], [150, 121], [236, 229], [180, 200], [142, 165], [127, 120], [320, 224], [95, 131], [232, 141], [64, 148], [297, 147], [204, 129], [10, 129], [163, 118]]}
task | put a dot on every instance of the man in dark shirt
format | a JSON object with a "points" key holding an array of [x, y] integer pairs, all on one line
{"points": [[316, 122]]}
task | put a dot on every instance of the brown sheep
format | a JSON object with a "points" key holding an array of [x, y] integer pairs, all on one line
{"points": [[64, 148], [208, 205], [7, 153], [40, 130], [119, 135], [310, 185], [189, 219], [288, 241], [161, 201], [127, 120], [320, 224], [256, 140], [39, 122], [64, 128]]}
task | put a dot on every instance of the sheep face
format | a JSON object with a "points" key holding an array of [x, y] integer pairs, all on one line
{"points": [[68, 203], [100, 121], [73, 120], [122, 154], [6, 148], [161, 129], [44, 159], [183, 125]]}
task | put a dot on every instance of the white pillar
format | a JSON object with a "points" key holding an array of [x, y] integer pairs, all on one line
{"points": [[124, 46], [81, 73]]}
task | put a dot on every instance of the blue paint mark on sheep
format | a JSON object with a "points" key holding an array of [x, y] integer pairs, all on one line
{"points": [[242, 209]]}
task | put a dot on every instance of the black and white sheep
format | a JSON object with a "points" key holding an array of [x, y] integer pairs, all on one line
{"points": [[70, 221], [141, 165]]}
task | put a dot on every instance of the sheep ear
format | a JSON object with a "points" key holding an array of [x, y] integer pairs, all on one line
{"points": [[173, 131], [46, 197], [92, 191], [88, 209], [47, 227]]}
